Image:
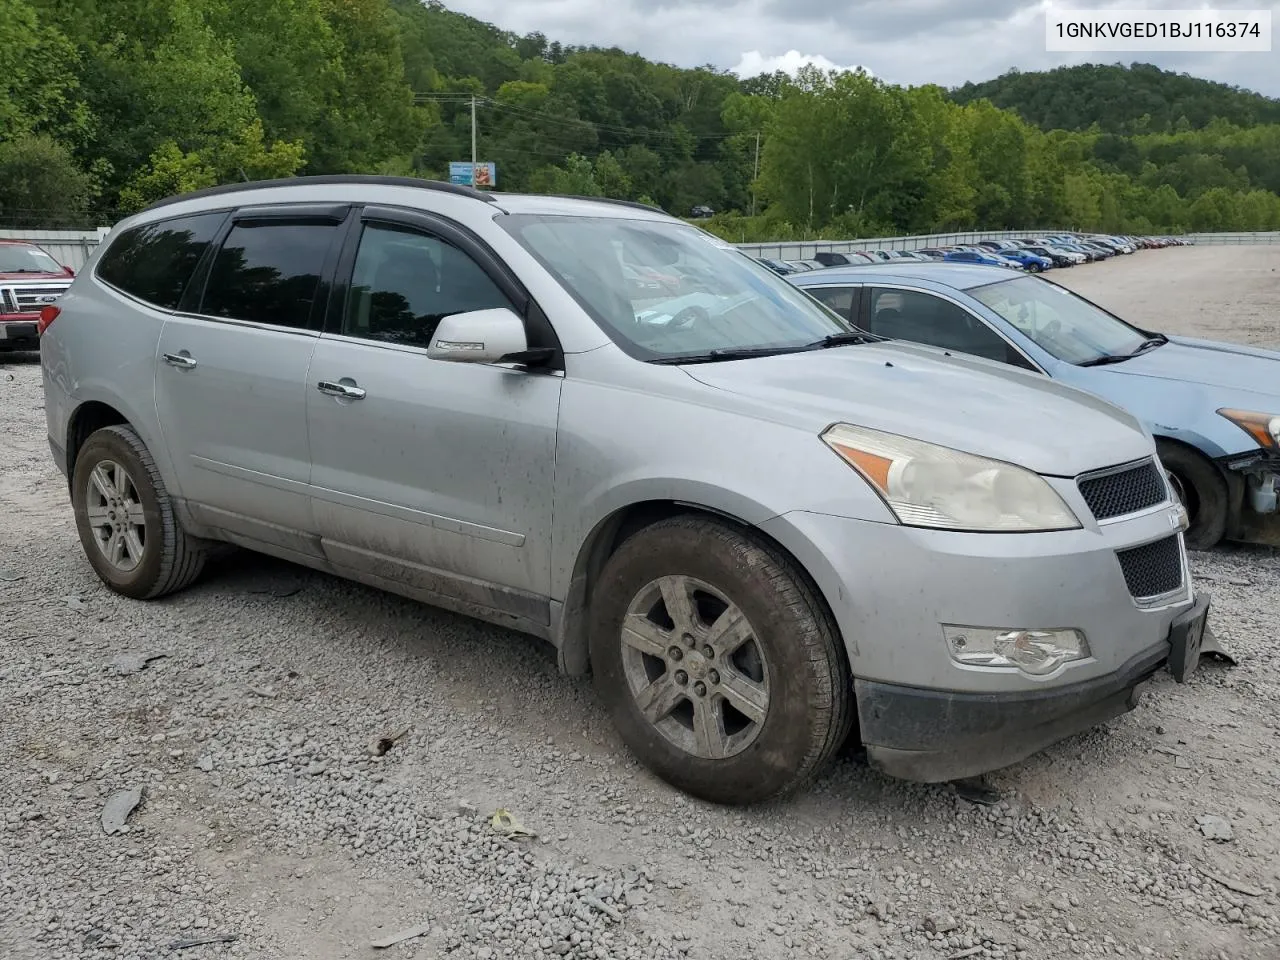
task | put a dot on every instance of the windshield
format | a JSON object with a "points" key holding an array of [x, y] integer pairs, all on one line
{"points": [[708, 297], [20, 259], [1064, 325]]}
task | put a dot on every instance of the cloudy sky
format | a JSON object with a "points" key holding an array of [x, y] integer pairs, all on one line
{"points": [[902, 41]]}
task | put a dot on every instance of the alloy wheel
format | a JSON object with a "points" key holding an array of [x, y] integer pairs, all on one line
{"points": [[116, 519], [694, 667]]}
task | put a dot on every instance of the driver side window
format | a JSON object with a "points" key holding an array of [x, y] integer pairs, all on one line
{"points": [[405, 282], [924, 318]]}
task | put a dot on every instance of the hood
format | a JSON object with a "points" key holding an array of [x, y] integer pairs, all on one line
{"points": [[980, 407], [1209, 364], [37, 277]]}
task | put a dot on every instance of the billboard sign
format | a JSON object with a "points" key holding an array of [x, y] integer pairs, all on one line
{"points": [[481, 175]]}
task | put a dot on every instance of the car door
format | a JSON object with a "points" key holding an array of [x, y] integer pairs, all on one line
{"points": [[231, 375], [919, 316], [434, 475]]}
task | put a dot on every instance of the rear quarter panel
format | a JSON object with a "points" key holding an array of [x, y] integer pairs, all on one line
{"points": [[102, 347]]}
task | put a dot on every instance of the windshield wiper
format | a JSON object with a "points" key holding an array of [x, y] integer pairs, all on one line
{"points": [[1105, 359], [1159, 340], [847, 338], [727, 353]]}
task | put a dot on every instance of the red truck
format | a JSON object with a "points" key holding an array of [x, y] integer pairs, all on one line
{"points": [[30, 280]]}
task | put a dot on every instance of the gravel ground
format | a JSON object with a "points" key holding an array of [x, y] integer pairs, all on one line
{"points": [[267, 815]]}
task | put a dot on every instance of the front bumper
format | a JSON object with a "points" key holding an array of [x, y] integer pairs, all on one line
{"points": [[19, 326], [936, 735], [892, 588]]}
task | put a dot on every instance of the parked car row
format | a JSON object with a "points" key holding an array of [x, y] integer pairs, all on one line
{"points": [[759, 518], [1031, 254]]}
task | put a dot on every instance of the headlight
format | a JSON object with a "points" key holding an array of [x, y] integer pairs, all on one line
{"points": [[926, 485], [1263, 427]]}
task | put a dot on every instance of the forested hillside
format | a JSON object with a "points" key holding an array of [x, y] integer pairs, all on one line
{"points": [[1135, 99], [107, 105]]}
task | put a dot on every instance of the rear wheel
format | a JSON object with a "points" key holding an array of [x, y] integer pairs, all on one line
{"points": [[1201, 489], [721, 668], [126, 521]]}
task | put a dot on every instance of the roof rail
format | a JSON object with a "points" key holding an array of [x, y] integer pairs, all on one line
{"points": [[622, 203], [328, 180]]}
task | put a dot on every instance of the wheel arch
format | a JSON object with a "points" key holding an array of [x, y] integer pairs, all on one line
{"points": [[570, 629], [96, 407], [1234, 482], [85, 420]]}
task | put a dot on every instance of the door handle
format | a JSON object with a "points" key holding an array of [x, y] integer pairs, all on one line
{"points": [[180, 361], [340, 390]]}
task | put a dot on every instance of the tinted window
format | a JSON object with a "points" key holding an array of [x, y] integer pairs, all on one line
{"points": [[924, 318], [405, 283], [839, 299], [268, 272], [155, 262]]}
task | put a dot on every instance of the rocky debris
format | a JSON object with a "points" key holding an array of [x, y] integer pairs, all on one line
{"points": [[118, 808], [1215, 827], [127, 664], [409, 933]]}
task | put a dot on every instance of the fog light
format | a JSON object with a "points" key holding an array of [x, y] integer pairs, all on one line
{"points": [[1034, 652]]}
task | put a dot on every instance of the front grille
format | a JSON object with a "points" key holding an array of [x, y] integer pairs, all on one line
{"points": [[1152, 569], [1121, 492], [31, 299]]}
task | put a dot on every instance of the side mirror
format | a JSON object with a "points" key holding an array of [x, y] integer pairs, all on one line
{"points": [[69, 271], [480, 336]]}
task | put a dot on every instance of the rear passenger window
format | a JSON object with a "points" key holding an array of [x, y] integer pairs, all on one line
{"points": [[404, 283], [154, 262], [268, 272]]}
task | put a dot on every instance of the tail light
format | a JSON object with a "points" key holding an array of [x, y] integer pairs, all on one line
{"points": [[47, 316]]}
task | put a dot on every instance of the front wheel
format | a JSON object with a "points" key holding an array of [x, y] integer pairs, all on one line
{"points": [[1201, 489], [125, 519], [721, 668]]}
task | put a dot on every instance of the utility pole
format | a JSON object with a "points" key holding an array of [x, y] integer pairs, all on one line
{"points": [[755, 176], [473, 140]]}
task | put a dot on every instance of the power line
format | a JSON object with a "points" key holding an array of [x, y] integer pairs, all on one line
{"points": [[609, 128]]}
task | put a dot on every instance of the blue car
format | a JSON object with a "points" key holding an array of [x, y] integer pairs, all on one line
{"points": [[1213, 408], [1031, 262], [980, 256]]}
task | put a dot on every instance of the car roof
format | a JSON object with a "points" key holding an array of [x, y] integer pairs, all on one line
{"points": [[407, 190], [960, 276]]}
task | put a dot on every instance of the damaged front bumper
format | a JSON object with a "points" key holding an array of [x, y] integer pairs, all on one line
{"points": [[1254, 482]]}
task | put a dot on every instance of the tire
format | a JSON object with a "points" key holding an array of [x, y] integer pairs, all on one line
{"points": [[791, 652], [114, 471], [1203, 491]]}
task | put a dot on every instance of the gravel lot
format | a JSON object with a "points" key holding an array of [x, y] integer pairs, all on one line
{"points": [[265, 814]]}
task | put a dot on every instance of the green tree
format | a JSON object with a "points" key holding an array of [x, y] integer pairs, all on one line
{"points": [[41, 186]]}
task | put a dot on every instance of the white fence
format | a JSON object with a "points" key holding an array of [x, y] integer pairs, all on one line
{"points": [[71, 248], [1237, 238]]}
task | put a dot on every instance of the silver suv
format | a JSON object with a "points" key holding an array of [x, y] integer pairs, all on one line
{"points": [[756, 525]]}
